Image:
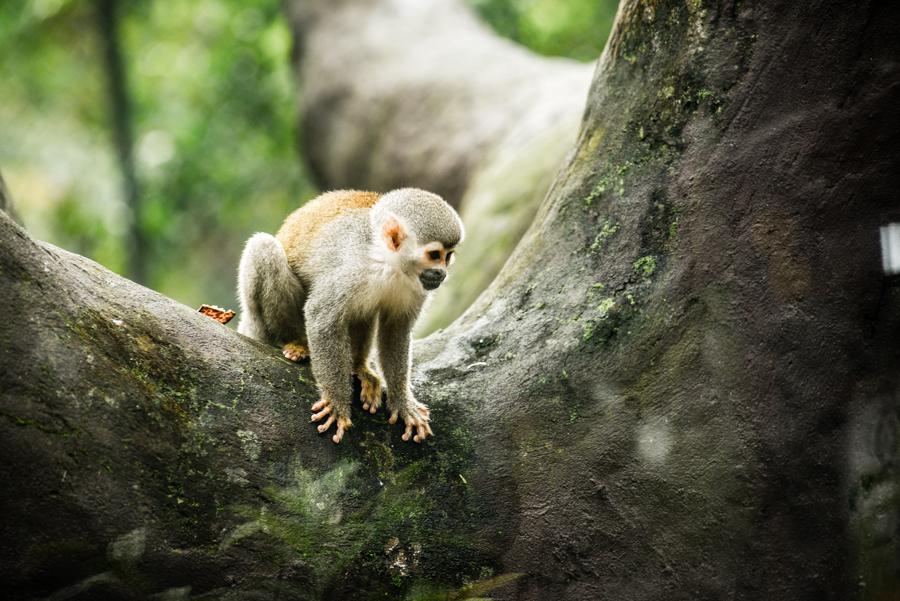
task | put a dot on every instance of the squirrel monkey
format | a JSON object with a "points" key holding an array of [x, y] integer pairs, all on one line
{"points": [[345, 270]]}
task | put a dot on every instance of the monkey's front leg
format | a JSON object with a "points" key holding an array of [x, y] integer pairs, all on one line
{"points": [[361, 336], [394, 351], [329, 346], [326, 408]]}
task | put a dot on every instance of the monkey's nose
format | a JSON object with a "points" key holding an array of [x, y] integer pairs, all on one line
{"points": [[432, 278]]}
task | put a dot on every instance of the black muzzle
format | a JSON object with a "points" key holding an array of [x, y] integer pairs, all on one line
{"points": [[432, 278]]}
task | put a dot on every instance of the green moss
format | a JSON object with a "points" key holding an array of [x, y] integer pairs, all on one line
{"points": [[587, 331], [333, 524], [608, 229], [645, 266], [606, 305], [673, 229], [597, 191], [385, 514], [573, 415]]}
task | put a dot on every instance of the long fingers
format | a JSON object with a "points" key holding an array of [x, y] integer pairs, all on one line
{"points": [[423, 429], [326, 425], [317, 416], [326, 408], [342, 425]]}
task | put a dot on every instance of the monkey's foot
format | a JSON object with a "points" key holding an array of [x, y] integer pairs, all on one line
{"points": [[370, 395], [327, 408], [415, 415], [295, 351]]}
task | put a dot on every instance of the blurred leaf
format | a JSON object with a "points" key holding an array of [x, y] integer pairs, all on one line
{"points": [[573, 28]]}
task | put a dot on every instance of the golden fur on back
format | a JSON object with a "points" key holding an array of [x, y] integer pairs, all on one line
{"points": [[299, 230]]}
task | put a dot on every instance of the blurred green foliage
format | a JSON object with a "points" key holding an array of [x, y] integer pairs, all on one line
{"points": [[214, 121], [573, 28], [214, 113]]}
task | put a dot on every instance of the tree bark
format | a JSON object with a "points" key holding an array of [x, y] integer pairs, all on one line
{"points": [[684, 384]]}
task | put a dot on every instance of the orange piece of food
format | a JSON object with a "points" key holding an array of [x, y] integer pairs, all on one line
{"points": [[218, 313]]}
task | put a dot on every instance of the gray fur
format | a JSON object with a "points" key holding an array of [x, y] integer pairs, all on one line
{"points": [[433, 219], [349, 293], [395, 355], [271, 295]]}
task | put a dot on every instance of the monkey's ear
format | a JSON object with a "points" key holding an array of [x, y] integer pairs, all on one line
{"points": [[393, 233]]}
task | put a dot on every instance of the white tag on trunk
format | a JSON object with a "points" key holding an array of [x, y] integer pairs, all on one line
{"points": [[890, 248]]}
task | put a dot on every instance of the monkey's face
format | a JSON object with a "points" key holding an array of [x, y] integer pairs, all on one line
{"points": [[427, 262], [435, 259]]}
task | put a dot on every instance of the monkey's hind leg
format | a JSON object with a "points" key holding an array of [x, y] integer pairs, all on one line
{"points": [[371, 389], [271, 297], [295, 351]]}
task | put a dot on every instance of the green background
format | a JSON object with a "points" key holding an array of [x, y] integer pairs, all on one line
{"points": [[214, 120]]}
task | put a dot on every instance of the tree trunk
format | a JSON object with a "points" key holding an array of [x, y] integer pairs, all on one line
{"points": [[684, 384], [107, 15]]}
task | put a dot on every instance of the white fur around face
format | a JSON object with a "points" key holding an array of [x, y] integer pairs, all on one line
{"points": [[393, 281]]}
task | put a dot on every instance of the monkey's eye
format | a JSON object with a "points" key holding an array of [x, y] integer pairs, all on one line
{"points": [[434, 255], [449, 256]]}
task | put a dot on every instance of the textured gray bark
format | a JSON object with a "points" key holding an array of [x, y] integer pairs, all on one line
{"points": [[683, 385]]}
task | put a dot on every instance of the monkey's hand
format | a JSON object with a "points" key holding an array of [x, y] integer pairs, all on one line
{"points": [[294, 351], [415, 415], [371, 389], [326, 408]]}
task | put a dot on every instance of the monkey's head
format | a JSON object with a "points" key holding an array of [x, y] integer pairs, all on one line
{"points": [[419, 233]]}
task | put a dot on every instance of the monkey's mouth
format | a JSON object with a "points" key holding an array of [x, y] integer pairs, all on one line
{"points": [[432, 278]]}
